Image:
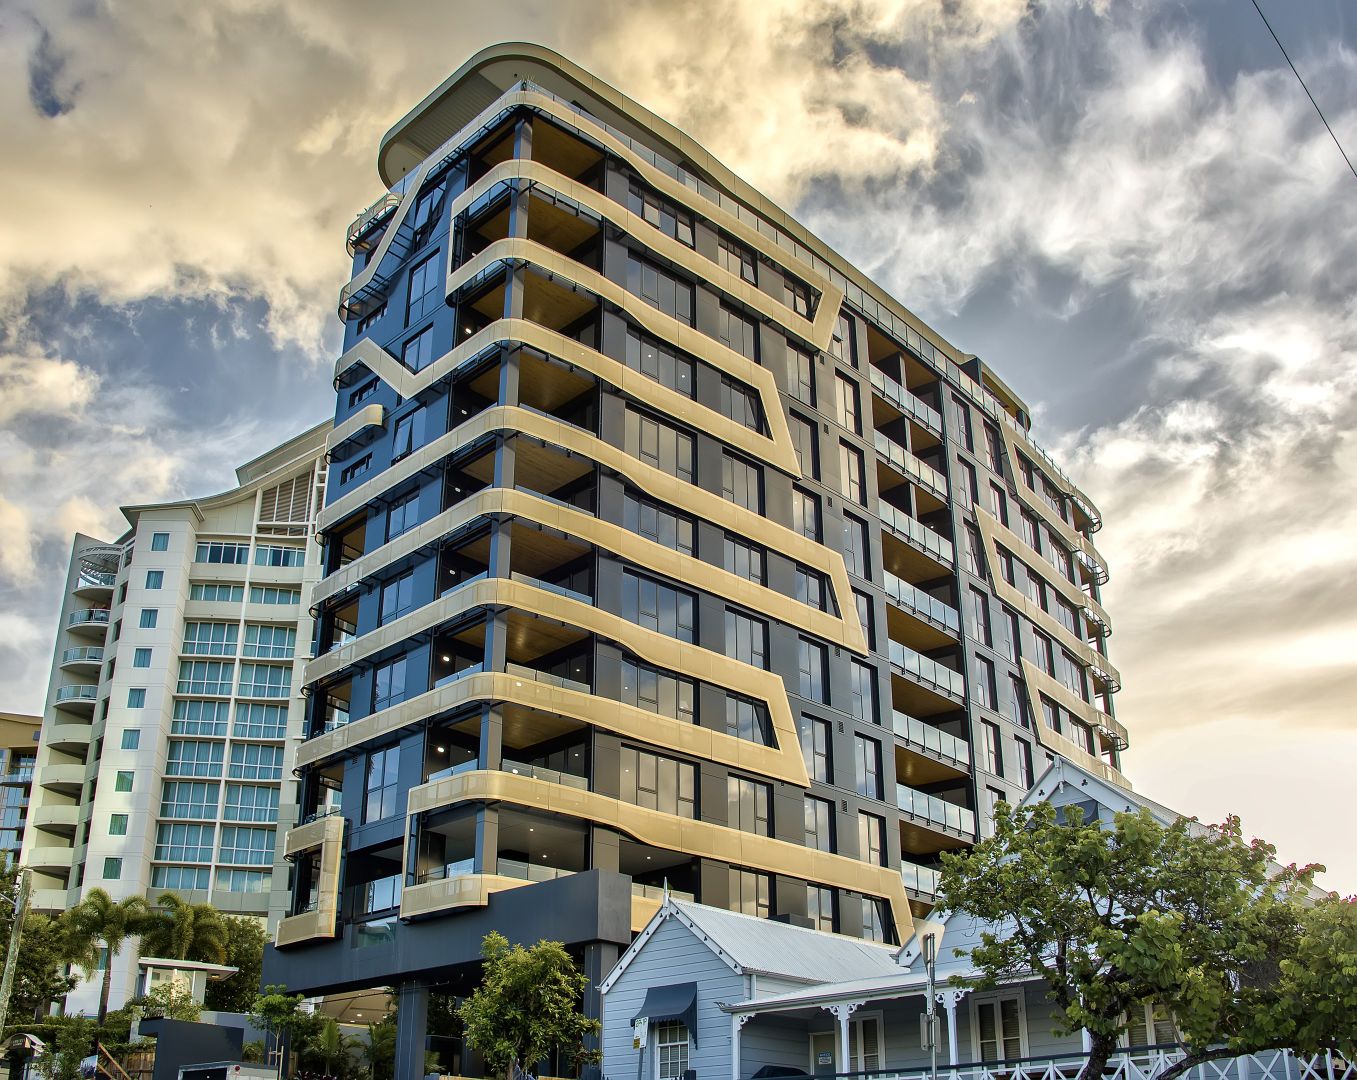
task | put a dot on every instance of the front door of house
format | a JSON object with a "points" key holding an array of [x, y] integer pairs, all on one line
{"points": [[822, 1052]]}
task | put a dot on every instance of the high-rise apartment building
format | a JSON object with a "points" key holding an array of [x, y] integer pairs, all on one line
{"points": [[165, 762], [18, 752], [662, 549]]}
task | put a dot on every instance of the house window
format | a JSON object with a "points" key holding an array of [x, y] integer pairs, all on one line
{"points": [[148, 618], [984, 691], [117, 825], [811, 588], [1014, 635], [356, 469], [855, 547], [671, 1051], [661, 289], [863, 602], [659, 445], [141, 658], [365, 391], [737, 259], [658, 522], [1025, 773], [113, 869], [388, 684], [160, 541], [661, 214], [820, 908], [998, 1026], [131, 739], [136, 698], [980, 607], [123, 781], [155, 579], [862, 703], [658, 691], [660, 362], [741, 404], [961, 423], [279, 555], [748, 720], [738, 334], [874, 925], [398, 597], [404, 514], [659, 607], [804, 439]]}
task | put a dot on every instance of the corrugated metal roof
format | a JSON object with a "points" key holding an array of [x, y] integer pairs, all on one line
{"points": [[765, 947]]}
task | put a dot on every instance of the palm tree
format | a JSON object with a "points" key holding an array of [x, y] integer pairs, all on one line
{"points": [[333, 1048], [99, 918], [178, 930]]}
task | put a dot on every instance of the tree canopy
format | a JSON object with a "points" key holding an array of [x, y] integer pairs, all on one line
{"points": [[1194, 919], [528, 1004], [179, 930], [98, 922], [245, 941]]}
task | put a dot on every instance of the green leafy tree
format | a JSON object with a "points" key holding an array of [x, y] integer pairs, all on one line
{"points": [[245, 941], [178, 930], [527, 1005], [72, 1042], [168, 1000], [39, 976], [282, 1017], [98, 920], [1113, 916]]}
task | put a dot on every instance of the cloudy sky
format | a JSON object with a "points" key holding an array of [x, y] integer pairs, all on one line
{"points": [[1128, 208]]}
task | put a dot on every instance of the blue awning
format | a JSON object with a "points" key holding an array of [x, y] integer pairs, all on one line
{"points": [[677, 1001]]}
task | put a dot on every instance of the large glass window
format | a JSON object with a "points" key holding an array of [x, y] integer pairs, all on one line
{"points": [[179, 799], [671, 1051], [382, 786], [279, 555], [660, 445], [751, 892], [813, 670], [850, 415], [408, 435], [418, 351], [658, 691], [856, 547], [743, 559], [871, 838], [994, 751], [270, 642], [658, 522], [660, 213], [984, 690], [746, 638], [199, 718], [255, 721], [806, 514], [426, 289], [747, 719], [817, 749], [209, 639], [217, 552], [742, 482], [658, 606], [184, 843], [398, 597], [658, 782], [190, 757], [801, 381], [819, 824], [246, 846], [251, 761], [821, 908], [660, 361], [805, 439], [868, 772], [862, 688], [853, 473], [388, 684], [741, 404], [661, 289], [251, 802], [749, 805], [738, 333], [733, 256], [265, 680]]}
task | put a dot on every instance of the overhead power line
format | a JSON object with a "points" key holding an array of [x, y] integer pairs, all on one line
{"points": [[1305, 88]]}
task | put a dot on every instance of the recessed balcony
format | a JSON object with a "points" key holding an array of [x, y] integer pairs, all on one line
{"points": [[68, 737], [927, 754], [63, 779], [935, 815], [56, 861], [919, 618], [77, 698], [911, 548], [58, 820], [90, 621], [82, 658]]}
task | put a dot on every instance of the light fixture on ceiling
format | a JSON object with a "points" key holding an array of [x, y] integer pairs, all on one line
{"points": [[446, 659], [440, 750]]}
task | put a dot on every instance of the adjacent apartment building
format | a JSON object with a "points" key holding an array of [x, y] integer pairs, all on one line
{"points": [[173, 711], [661, 549], [18, 752]]}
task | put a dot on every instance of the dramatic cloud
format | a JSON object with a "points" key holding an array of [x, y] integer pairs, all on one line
{"points": [[1126, 207]]}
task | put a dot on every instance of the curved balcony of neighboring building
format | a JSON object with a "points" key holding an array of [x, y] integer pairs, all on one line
{"points": [[63, 779], [56, 819], [97, 571], [48, 899], [68, 736], [54, 861], [91, 621], [77, 698], [86, 658]]}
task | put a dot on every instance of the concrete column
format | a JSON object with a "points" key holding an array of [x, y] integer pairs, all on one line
{"points": [[412, 1025]]}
